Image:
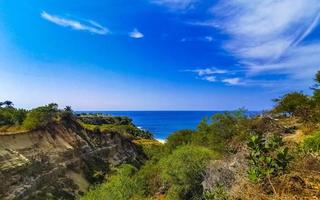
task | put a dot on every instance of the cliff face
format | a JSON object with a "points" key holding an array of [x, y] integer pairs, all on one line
{"points": [[60, 161]]}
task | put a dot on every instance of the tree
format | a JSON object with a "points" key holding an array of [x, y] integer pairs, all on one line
{"points": [[6, 104], [224, 128], [316, 89], [178, 138], [67, 113], [317, 79], [10, 115], [41, 116], [183, 171], [293, 104], [68, 109]]}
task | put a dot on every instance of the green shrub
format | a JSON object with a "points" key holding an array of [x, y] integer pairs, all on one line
{"points": [[179, 138], [223, 129], [120, 186], [183, 171], [152, 148], [292, 103], [11, 116], [217, 193], [268, 157], [148, 179], [41, 116], [312, 143]]}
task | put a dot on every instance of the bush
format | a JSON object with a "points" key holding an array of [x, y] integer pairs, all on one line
{"points": [[179, 138], [12, 116], [41, 116], [120, 186], [223, 129], [183, 171], [151, 148], [312, 143], [294, 104], [217, 193], [148, 179], [268, 157]]}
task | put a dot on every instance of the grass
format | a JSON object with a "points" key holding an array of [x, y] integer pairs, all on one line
{"points": [[5, 129], [312, 143]]}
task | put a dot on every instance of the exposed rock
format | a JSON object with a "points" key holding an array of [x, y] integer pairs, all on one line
{"points": [[226, 172], [60, 161]]}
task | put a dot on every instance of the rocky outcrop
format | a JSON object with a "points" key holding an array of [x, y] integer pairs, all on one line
{"points": [[227, 173], [60, 161]]}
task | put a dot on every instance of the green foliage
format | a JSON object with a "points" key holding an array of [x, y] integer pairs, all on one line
{"points": [[120, 186], [294, 104], [316, 86], [179, 174], [148, 179], [223, 129], [41, 116], [6, 104], [267, 157], [100, 119], [217, 193], [11, 116], [297, 104], [179, 138], [121, 125], [312, 143], [152, 148], [183, 171], [67, 113]]}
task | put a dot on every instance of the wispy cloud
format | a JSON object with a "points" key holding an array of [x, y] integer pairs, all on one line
{"points": [[209, 78], [217, 75], [208, 38], [207, 71], [136, 34], [233, 81], [268, 36], [176, 4], [87, 25], [197, 39]]}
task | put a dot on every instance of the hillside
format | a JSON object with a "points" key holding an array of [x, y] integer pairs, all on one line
{"points": [[231, 156], [49, 153], [60, 160]]}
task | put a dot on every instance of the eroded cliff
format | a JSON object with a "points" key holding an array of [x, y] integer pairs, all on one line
{"points": [[60, 161]]}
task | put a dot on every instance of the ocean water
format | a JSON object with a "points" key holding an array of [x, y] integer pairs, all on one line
{"points": [[163, 123]]}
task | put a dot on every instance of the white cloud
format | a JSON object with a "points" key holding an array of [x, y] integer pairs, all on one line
{"points": [[197, 39], [219, 76], [208, 38], [136, 34], [233, 81], [209, 78], [268, 36], [208, 71], [90, 26], [266, 29], [176, 4]]}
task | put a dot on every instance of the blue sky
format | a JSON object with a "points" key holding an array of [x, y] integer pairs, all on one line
{"points": [[157, 54]]}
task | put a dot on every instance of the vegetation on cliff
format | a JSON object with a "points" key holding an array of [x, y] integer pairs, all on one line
{"points": [[14, 120], [56, 157], [231, 156]]}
